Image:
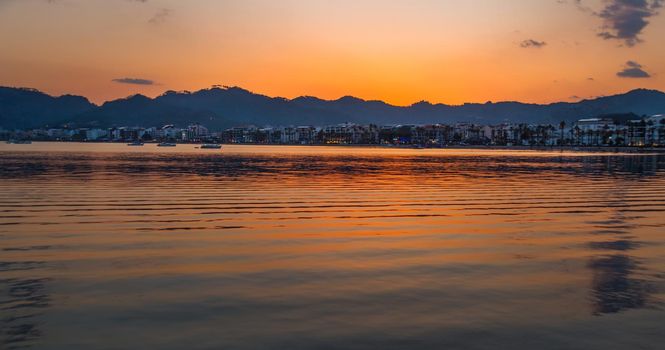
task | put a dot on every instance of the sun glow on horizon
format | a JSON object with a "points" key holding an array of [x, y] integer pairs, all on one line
{"points": [[399, 52]]}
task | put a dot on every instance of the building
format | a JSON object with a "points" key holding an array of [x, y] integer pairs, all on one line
{"points": [[169, 132], [95, 134], [195, 132], [349, 133], [596, 131], [655, 133]]}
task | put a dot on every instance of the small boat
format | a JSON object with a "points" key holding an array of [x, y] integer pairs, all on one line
{"points": [[211, 146], [135, 143], [166, 144], [19, 142]]}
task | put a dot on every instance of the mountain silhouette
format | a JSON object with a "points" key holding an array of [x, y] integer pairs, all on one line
{"points": [[223, 107], [27, 108]]}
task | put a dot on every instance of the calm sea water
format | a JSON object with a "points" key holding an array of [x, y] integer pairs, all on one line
{"points": [[114, 247]]}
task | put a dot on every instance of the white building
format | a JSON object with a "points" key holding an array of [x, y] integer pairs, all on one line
{"points": [[655, 132], [195, 132], [169, 132], [95, 134], [289, 135], [591, 130], [58, 133]]}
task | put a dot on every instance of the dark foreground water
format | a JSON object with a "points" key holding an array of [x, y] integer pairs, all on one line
{"points": [[114, 247]]}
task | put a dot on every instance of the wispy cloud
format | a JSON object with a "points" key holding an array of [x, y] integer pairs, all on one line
{"points": [[633, 69], [56, 1], [530, 43], [160, 16], [134, 81]]}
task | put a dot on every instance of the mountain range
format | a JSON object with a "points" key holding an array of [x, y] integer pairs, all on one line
{"points": [[223, 107]]}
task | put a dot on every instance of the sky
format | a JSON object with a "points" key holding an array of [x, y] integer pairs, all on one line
{"points": [[398, 51]]}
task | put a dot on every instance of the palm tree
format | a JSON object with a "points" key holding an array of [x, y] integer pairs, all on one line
{"points": [[562, 126], [589, 139], [575, 134], [606, 134]]}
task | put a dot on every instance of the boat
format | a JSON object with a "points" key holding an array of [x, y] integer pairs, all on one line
{"points": [[166, 144], [210, 146], [19, 142], [135, 143]]}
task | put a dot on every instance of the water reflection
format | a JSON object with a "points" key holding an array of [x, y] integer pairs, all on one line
{"points": [[331, 250], [23, 301], [616, 285], [21, 165]]}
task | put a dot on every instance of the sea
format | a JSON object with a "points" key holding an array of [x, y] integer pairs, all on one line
{"points": [[107, 246]]}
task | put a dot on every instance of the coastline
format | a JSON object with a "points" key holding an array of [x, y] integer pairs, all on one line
{"points": [[551, 149]]}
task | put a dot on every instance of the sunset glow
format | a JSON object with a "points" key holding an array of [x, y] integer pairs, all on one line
{"points": [[398, 51], [332, 174]]}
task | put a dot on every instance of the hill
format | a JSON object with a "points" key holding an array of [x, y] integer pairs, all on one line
{"points": [[26, 108], [222, 107]]}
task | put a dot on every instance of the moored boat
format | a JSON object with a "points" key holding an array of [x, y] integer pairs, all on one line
{"points": [[210, 146], [135, 143], [166, 144]]}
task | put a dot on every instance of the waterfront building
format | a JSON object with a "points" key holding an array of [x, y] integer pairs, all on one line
{"points": [[169, 132], [95, 134], [596, 131], [349, 133], [636, 132], [289, 135], [58, 134], [609, 130], [655, 130], [305, 135], [195, 132]]}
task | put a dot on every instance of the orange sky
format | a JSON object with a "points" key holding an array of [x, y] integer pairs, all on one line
{"points": [[399, 51]]}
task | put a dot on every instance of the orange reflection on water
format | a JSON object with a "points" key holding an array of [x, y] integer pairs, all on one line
{"points": [[452, 241]]}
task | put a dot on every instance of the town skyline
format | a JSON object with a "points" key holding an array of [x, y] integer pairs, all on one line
{"points": [[616, 130], [447, 52]]}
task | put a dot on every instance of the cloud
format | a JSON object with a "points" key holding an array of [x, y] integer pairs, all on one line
{"points": [[160, 16], [56, 1], [626, 19], [530, 43], [134, 81], [633, 69], [3, 2], [582, 7]]}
